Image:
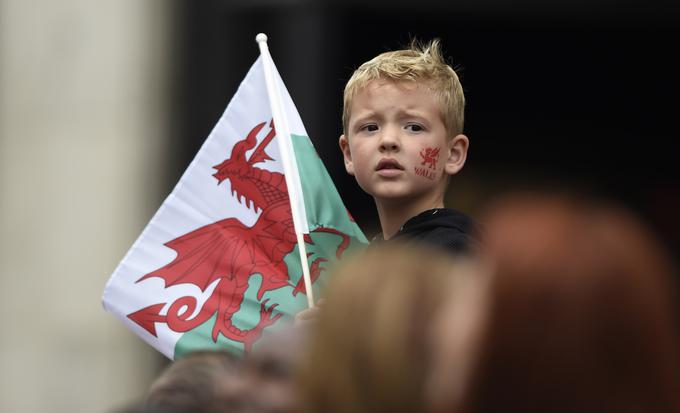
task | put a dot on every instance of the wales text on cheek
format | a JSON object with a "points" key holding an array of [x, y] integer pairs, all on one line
{"points": [[425, 173]]}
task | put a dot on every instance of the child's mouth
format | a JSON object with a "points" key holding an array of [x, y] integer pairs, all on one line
{"points": [[389, 167]]}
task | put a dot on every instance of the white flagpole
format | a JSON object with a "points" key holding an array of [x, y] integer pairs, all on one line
{"points": [[291, 175]]}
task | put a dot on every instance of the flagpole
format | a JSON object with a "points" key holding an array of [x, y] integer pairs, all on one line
{"points": [[289, 162]]}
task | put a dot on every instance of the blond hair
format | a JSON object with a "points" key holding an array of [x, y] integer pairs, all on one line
{"points": [[369, 350], [418, 63]]}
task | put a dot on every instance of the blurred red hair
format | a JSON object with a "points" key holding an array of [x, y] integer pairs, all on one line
{"points": [[582, 314]]}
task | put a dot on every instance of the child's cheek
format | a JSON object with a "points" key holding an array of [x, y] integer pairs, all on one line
{"points": [[429, 159]]}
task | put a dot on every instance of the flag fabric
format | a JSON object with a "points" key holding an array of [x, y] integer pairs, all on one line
{"points": [[218, 265]]}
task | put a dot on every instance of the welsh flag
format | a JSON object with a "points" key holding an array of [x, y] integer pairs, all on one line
{"points": [[221, 261]]}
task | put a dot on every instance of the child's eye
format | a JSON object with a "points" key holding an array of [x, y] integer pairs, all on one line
{"points": [[371, 127], [414, 127]]}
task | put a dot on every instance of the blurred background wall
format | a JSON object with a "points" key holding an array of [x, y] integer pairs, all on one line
{"points": [[83, 125], [104, 104]]}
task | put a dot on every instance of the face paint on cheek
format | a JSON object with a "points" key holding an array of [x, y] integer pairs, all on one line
{"points": [[428, 165], [430, 157], [424, 172]]}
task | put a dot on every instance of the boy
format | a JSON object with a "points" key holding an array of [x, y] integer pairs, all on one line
{"points": [[402, 140]]}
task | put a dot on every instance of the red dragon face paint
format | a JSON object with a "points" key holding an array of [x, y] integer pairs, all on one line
{"points": [[430, 157]]}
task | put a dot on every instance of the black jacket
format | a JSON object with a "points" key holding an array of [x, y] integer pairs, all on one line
{"points": [[444, 228]]}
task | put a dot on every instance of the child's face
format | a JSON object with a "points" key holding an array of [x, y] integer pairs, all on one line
{"points": [[396, 144]]}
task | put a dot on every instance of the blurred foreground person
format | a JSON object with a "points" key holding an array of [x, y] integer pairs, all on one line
{"points": [[200, 382], [266, 380], [581, 317], [219, 382], [456, 330], [370, 349]]}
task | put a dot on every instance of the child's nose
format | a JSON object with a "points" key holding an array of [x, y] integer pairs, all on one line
{"points": [[389, 140]]}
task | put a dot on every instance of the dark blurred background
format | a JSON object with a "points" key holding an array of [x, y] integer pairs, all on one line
{"points": [[571, 95]]}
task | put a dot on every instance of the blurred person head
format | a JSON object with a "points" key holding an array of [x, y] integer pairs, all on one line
{"points": [[266, 378], [581, 315], [197, 383], [142, 408], [370, 349]]}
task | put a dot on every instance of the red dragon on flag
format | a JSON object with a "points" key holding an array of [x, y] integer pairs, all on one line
{"points": [[229, 252]]}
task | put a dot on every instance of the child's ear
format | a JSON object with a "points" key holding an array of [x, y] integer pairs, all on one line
{"points": [[346, 154], [457, 149]]}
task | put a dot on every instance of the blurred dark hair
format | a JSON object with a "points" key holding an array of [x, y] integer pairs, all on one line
{"points": [[142, 408], [192, 384], [582, 314]]}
